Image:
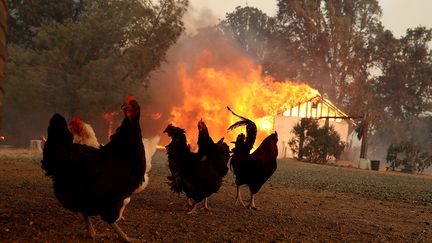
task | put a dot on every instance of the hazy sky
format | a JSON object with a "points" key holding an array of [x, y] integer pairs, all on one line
{"points": [[398, 15]]}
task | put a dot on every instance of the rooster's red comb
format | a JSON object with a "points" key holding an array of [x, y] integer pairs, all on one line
{"points": [[75, 124], [75, 120], [129, 98]]}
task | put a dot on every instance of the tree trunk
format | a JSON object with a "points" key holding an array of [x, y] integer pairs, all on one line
{"points": [[3, 40]]}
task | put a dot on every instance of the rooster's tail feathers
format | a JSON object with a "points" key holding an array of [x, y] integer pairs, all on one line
{"points": [[244, 121], [240, 123], [58, 131], [58, 135], [251, 131], [237, 115]]}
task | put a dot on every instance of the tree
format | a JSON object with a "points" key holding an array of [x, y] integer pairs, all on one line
{"points": [[87, 62], [3, 37], [401, 106], [94, 59], [409, 156], [315, 144], [329, 45], [405, 86], [27, 16], [251, 29]]}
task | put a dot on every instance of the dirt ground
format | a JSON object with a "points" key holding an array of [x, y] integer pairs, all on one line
{"points": [[29, 212]]}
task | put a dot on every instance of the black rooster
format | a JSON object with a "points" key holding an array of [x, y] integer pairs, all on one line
{"points": [[252, 169], [96, 181], [200, 174]]}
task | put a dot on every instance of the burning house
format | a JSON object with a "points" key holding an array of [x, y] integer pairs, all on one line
{"points": [[205, 75], [317, 107]]}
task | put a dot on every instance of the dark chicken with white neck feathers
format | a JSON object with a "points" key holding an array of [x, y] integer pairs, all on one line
{"points": [[97, 181]]}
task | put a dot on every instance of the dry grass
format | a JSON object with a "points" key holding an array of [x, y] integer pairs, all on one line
{"points": [[10, 155]]}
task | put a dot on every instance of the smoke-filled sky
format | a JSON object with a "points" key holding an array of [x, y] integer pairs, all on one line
{"points": [[398, 15]]}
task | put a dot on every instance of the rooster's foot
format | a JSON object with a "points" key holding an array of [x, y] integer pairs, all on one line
{"points": [[90, 235], [193, 211], [206, 206], [252, 203], [252, 207], [189, 202], [240, 201], [90, 230], [200, 206], [122, 234]]}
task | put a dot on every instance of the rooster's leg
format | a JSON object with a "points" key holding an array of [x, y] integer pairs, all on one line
{"points": [[194, 208], [206, 207], [126, 201], [239, 198], [252, 202], [189, 202], [121, 233], [90, 230]]}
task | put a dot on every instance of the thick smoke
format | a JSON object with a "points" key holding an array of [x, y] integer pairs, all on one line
{"points": [[196, 19], [166, 89]]}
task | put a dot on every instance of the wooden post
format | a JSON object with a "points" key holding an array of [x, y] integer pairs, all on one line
{"points": [[36, 145], [321, 110], [4, 13], [327, 123], [301, 141], [325, 152], [363, 148]]}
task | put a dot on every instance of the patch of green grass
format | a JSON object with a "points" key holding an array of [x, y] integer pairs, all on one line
{"points": [[370, 184], [385, 186]]}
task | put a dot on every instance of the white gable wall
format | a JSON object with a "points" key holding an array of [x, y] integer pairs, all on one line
{"points": [[284, 125]]}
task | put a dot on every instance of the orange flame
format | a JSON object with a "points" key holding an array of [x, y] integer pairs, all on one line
{"points": [[209, 90], [109, 117], [156, 115]]}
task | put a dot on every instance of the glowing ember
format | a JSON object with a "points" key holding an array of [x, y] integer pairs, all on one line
{"points": [[156, 116], [209, 90]]}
